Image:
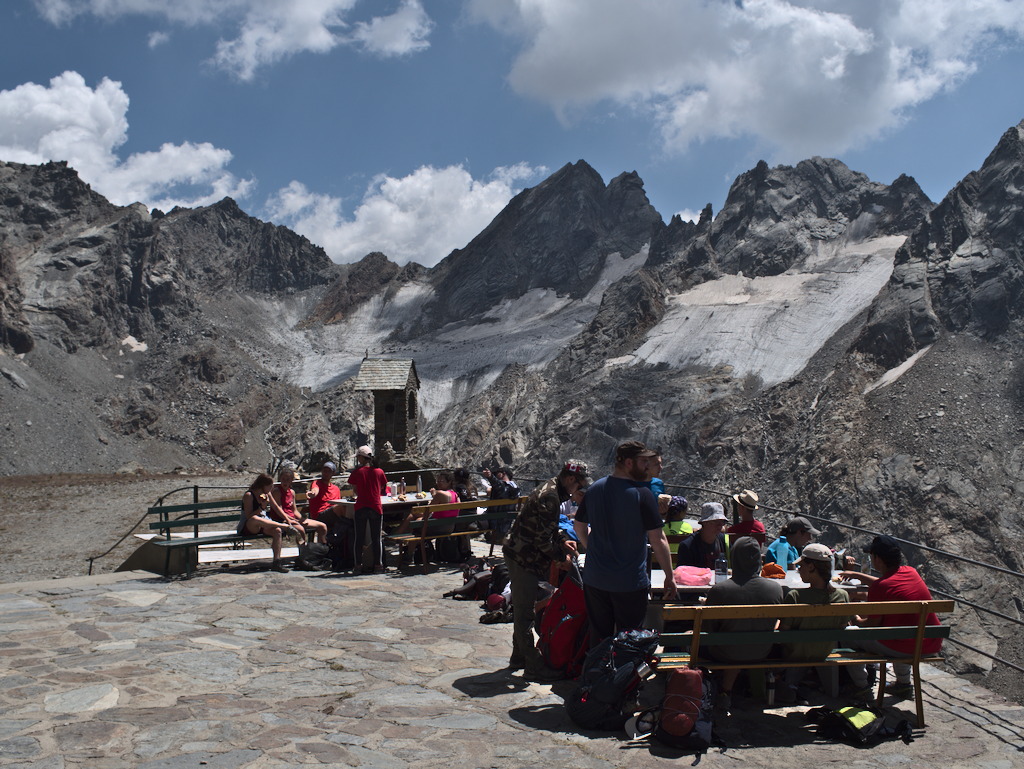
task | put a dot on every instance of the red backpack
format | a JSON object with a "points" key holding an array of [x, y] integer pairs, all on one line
{"points": [[685, 720], [564, 634]]}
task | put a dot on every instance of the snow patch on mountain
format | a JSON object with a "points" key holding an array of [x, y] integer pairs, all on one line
{"points": [[770, 327]]}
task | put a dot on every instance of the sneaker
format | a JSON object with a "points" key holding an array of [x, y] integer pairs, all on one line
{"points": [[543, 675], [900, 690], [278, 567], [863, 694]]}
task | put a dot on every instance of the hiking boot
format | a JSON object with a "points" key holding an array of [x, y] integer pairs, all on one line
{"points": [[543, 675], [900, 690], [516, 663], [278, 567]]}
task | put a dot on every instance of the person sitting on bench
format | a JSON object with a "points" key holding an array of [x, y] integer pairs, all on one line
{"points": [[815, 568], [257, 508], [284, 496], [897, 583], [744, 587], [442, 495]]}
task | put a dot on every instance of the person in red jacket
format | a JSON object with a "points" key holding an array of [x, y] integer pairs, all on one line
{"points": [[369, 482], [897, 583], [744, 504]]}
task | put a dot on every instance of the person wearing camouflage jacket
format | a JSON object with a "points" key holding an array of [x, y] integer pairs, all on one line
{"points": [[533, 544]]}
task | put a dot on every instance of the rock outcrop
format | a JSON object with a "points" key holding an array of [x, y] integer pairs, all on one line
{"points": [[960, 270]]}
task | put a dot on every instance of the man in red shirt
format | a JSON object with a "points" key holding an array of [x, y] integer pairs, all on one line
{"points": [[322, 493], [744, 505], [897, 583]]}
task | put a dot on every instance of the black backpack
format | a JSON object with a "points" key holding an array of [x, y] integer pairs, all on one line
{"points": [[313, 557], [862, 726], [613, 673]]}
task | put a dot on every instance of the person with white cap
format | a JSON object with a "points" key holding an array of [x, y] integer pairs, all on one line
{"points": [[704, 546], [744, 504], [815, 568], [369, 482]]}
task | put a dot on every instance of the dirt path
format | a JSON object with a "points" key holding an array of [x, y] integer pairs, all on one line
{"points": [[51, 525]]}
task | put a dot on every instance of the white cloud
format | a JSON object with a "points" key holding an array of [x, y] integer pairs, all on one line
{"points": [[404, 32], [805, 76], [421, 217], [68, 120], [158, 38], [263, 32], [688, 215]]}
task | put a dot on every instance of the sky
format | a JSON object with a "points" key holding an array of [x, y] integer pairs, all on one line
{"points": [[405, 126]]}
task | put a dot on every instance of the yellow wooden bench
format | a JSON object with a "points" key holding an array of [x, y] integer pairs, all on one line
{"points": [[693, 641]]}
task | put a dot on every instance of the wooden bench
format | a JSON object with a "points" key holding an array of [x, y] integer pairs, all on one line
{"points": [[842, 638], [423, 530], [176, 520]]}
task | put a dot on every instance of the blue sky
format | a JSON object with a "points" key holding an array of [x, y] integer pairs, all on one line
{"points": [[405, 126]]}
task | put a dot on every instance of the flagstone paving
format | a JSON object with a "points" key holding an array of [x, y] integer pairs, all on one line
{"points": [[262, 669]]}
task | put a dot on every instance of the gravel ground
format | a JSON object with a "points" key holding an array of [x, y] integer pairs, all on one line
{"points": [[51, 525]]}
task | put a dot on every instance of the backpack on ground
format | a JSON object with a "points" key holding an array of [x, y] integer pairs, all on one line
{"points": [[563, 631], [613, 674], [476, 582], [449, 549], [341, 545], [686, 717], [313, 557], [862, 726]]}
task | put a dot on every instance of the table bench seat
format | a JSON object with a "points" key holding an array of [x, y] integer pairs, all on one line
{"points": [[691, 643], [426, 529]]}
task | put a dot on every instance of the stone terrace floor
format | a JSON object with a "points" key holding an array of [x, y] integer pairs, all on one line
{"points": [[272, 670]]}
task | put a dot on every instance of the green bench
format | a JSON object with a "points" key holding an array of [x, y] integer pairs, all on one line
{"points": [[692, 642], [194, 515]]}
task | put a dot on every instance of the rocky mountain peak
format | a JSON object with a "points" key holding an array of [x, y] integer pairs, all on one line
{"points": [[554, 236], [960, 269], [774, 218]]}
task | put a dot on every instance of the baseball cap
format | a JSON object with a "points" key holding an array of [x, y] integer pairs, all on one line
{"points": [[579, 469], [816, 552], [330, 466], [884, 546], [364, 451], [633, 450], [800, 524]]}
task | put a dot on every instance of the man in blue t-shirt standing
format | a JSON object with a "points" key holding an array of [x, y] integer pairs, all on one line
{"points": [[618, 517]]}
